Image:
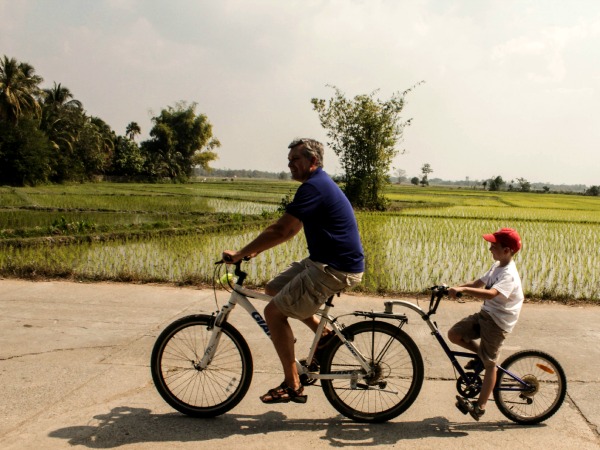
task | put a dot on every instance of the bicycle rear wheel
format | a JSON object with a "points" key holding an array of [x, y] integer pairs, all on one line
{"points": [[396, 379], [199, 392], [547, 387]]}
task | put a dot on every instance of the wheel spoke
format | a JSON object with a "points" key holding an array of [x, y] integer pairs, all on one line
{"points": [[207, 392], [395, 379]]}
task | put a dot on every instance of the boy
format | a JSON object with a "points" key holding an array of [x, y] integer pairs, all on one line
{"points": [[501, 290]]}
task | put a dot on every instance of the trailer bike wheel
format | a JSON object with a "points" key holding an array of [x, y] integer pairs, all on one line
{"points": [[539, 396]]}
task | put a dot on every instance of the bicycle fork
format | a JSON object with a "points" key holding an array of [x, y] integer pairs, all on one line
{"points": [[217, 329]]}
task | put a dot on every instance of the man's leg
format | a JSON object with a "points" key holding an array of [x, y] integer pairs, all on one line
{"points": [[283, 341], [313, 322]]}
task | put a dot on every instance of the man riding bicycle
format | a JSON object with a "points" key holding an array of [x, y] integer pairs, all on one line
{"points": [[335, 259]]}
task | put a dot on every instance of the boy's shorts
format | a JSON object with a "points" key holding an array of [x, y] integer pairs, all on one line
{"points": [[481, 325], [305, 285]]}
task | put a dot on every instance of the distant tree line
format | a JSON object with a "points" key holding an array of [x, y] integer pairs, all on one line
{"points": [[240, 173], [47, 136], [495, 183]]}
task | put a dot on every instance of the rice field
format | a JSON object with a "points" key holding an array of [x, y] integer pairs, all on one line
{"points": [[433, 237]]}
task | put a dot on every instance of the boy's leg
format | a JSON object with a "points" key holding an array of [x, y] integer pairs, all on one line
{"points": [[464, 332], [492, 338], [487, 386]]}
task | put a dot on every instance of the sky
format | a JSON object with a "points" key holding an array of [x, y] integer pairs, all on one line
{"points": [[510, 87]]}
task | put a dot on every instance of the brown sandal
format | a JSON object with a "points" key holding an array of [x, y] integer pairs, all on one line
{"points": [[284, 394]]}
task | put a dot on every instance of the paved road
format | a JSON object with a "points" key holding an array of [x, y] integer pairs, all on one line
{"points": [[74, 372]]}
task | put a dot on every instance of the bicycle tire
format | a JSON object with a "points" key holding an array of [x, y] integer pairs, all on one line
{"points": [[191, 391], [398, 376], [544, 373]]}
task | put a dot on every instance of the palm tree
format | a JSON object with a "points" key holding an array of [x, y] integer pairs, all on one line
{"points": [[60, 113], [132, 130], [58, 97], [18, 90], [63, 121]]}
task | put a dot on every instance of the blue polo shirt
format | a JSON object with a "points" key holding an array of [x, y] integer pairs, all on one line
{"points": [[329, 223]]}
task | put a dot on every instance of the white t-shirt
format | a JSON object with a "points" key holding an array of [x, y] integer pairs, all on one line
{"points": [[506, 306]]}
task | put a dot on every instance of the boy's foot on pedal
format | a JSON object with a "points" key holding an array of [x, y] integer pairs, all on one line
{"points": [[475, 365], [467, 407]]}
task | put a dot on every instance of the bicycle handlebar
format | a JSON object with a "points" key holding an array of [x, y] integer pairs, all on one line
{"points": [[437, 292], [238, 272]]}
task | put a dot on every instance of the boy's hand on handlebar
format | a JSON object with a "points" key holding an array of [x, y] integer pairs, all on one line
{"points": [[455, 292]]}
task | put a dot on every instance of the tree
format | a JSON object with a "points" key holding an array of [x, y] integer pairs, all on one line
{"points": [[415, 181], [74, 138], [83, 145], [363, 133], [179, 140], [59, 97], [25, 153], [524, 185], [594, 190], [127, 158], [400, 175], [426, 170], [96, 144], [495, 183], [132, 130], [18, 90]]}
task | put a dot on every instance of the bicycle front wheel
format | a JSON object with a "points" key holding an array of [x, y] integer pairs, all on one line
{"points": [[396, 377], [545, 391], [183, 384]]}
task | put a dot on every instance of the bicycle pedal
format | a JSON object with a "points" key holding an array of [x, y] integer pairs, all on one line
{"points": [[461, 408], [462, 405]]}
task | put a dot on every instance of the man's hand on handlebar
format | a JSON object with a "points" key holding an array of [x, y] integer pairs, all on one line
{"points": [[232, 257]]}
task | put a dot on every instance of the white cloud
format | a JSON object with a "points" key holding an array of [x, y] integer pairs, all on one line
{"points": [[541, 54]]}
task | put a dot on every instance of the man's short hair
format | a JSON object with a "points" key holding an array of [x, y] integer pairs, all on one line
{"points": [[310, 148]]}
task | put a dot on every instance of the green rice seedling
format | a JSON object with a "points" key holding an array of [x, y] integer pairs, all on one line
{"points": [[406, 251]]}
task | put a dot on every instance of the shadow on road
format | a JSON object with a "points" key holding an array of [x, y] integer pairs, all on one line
{"points": [[125, 425]]}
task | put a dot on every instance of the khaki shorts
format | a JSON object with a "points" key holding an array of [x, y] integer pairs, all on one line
{"points": [[305, 285], [481, 325]]}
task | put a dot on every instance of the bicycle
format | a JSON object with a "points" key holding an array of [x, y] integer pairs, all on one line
{"points": [[531, 385], [371, 371]]}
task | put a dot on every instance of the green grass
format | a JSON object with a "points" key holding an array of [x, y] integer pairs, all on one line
{"points": [[174, 233]]}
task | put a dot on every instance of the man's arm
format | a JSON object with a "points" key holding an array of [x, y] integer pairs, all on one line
{"points": [[283, 230]]}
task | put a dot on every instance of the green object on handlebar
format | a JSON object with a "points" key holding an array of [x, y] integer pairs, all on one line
{"points": [[228, 278]]}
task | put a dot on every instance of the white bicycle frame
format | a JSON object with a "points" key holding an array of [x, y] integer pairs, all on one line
{"points": [[240, 296]]}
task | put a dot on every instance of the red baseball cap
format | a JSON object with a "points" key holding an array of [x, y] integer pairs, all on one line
{"points": [[506, 237]]}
